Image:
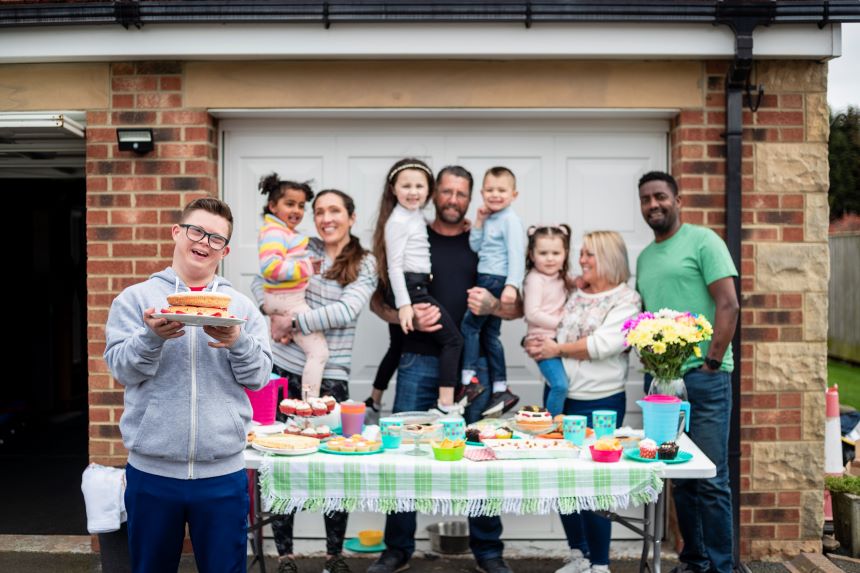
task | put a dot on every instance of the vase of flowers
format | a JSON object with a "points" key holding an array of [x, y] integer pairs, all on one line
{"points": [[664, 340]]}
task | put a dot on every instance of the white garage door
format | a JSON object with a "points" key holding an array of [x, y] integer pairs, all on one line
{"points": [[579, 171]]}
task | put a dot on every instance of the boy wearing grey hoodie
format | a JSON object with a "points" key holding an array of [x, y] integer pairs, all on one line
{"points": [[186, 414]]}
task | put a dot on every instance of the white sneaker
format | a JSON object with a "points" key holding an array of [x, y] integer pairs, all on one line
{"points": [[600, 569], [575, 563]]}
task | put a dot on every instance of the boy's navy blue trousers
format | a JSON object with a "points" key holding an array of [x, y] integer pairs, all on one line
{"points": [[215, 509]]}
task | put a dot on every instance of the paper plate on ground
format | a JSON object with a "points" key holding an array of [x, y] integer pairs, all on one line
{"points": [[633, 454], [355, 545]]}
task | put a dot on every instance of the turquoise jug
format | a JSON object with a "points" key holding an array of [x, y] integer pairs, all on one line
{"points": [[662, 419]]}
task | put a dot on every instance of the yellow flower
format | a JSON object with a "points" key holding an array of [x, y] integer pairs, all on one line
{"points": [[697, 351], [659, 347]]}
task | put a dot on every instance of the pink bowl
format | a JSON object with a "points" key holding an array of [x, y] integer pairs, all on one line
{"points": [[606, 456]]}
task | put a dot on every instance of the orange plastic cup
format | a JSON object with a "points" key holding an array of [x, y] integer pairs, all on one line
{"points": [[352, 417]]}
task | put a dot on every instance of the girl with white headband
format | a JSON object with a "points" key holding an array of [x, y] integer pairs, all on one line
{"points": [[402, 250]]}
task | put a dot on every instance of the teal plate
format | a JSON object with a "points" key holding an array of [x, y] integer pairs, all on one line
{"points": [[633, 454], [323, 448], [355, 545]]}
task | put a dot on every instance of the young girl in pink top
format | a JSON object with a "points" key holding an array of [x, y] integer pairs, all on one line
{"points": [[544, 295], [286, 269]]}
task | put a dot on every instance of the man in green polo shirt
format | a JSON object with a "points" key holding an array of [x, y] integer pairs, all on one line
{"points": [[689, 268]]}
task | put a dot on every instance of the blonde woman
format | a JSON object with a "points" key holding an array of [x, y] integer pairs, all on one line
{"points": [[591, 345]]}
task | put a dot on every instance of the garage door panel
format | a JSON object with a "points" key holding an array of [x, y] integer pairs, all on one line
{"points": [[567, 171], [558, 170], [602, 188]]}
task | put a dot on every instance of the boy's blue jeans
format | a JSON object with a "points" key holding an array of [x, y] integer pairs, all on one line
{"points": [[553, 370], [484, 331], [417, 390]]}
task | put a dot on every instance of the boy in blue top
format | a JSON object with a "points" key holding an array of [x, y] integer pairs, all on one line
{"points": [[497, 237]]}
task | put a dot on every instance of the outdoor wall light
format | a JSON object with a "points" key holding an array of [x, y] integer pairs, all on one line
{"points": [[137, 140]]}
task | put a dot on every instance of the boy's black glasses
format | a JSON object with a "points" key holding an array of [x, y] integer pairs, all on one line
{"points": [[196, 234]]}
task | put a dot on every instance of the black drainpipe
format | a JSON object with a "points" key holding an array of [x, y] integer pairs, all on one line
{"points": [[742, 23]]}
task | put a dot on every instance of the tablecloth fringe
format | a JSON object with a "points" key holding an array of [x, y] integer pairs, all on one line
{"points": [[471, 508], [645, 493]]}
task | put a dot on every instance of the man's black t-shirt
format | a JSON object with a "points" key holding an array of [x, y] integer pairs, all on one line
{"points": [[455, 270]]}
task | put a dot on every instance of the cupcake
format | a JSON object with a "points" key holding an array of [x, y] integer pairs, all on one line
{"points": [[288, 407], [504, 433], [667, 451], [473, 435], [487, 434], [329, 402], [361, 446], [310, 432], [648, 449], [318, 408], [303, 409], [323, 431]]}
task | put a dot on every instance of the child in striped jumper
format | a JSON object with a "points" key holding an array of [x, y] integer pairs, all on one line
{"points": [[286, 268]]}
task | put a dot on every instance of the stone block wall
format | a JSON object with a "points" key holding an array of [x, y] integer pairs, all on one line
{"points": [[784, 262], [131, 201]]}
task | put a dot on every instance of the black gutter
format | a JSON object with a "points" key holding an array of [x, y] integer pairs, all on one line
{"points": [[742, 20], [132, 12]]}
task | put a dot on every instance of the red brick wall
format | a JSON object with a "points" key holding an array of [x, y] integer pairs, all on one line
{"points": [[131, 202], [698, 162]]}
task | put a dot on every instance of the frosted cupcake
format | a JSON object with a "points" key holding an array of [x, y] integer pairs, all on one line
{"points": [[648, 449]]}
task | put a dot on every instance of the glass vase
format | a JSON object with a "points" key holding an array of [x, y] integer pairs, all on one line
{"points": [[673, 387]]}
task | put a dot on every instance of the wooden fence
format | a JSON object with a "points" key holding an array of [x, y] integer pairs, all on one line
{"points": [[843, 339]]}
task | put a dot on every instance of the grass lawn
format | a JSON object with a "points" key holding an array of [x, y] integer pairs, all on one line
{"points": [[848, 378]]}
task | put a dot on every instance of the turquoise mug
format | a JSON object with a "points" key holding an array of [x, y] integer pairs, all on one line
{"points": [[604, 423], [454, 428], [391, 429], [573, 428]]}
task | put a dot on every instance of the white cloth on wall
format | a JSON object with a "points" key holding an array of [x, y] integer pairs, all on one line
{"points": [[104, 496]]}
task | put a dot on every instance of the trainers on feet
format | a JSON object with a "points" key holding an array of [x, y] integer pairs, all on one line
{"points": [[501, 402], [469, 392], [576, 562], [287, 566], [494, 565], [336, 564], [600, 569], [391, 561]]}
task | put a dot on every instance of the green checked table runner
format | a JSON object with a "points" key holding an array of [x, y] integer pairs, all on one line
{"points": [[393, 482]]}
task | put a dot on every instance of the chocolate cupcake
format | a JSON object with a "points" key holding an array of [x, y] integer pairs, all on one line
{"points": [[667, 451], [473, 435]]}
